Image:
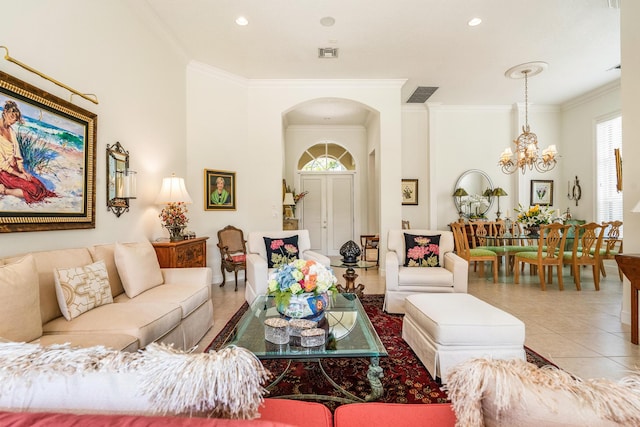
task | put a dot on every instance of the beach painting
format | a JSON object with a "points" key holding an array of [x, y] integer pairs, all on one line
{"points": [[47, 160]]}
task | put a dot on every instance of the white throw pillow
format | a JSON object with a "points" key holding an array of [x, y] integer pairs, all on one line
{"points": [[138, 267], [79, 289], [20, 318]]}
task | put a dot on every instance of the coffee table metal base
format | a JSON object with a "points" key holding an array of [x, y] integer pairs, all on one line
{"points": [[374, 375]]}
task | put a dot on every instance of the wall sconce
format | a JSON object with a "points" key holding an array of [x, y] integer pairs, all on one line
{"points": [[288, 202], [121, 181], [575, 192]]}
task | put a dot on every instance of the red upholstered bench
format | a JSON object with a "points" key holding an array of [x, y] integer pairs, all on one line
{"points": [[296, 412], [394, 414]]}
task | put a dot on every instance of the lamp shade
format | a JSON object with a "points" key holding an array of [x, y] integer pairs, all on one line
{"points": [[173, 190], [288, 200], [498, 191], [460, 192]]}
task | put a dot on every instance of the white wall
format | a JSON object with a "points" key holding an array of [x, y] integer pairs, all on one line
{"points": [[112, 50], [579, 142], [415, 162], [630, 40]]}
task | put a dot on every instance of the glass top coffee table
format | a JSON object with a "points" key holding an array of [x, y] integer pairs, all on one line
{"points": [[349, 334]]}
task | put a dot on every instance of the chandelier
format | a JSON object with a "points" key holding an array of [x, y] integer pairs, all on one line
{"points": [[527, 154]]}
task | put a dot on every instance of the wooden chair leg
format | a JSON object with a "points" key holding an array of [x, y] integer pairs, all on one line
{"points": [[516, 271], [495, 270], [602, 269], [596, 276], [543, 285], [576, 276], [223, 278], [560, 281], [236, 275]]}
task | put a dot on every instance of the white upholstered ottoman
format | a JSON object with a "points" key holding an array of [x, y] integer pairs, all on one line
{"points": [[446, 329]]}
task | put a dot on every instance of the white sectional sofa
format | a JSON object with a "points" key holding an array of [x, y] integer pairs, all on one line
{"points": [[142, 303]]}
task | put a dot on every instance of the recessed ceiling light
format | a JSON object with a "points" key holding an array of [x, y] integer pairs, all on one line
{"points": [[242, 21], [474, 21], [327, 21]]}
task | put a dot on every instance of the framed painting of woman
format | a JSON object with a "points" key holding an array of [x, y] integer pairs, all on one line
{"points": [[219, 190], [47, 160]]}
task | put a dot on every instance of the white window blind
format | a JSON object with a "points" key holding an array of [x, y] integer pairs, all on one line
{"points": [[608, 138]]}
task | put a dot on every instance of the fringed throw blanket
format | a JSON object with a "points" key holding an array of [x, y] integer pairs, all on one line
{"points": [[514, 392], [226, 383]]}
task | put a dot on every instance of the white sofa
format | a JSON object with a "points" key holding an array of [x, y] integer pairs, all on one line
{"points": [[257, 265], [175, 308], [401, 281]]}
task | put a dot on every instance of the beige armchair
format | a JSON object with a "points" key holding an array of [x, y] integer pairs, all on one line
{"points": [[401, 281], [257, 263]]}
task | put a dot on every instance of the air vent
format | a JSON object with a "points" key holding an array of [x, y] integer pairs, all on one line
{"points": [[328, 52], [421, 94]]}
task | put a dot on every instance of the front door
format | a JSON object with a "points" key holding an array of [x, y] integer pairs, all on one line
{"points": [[328, 210]]}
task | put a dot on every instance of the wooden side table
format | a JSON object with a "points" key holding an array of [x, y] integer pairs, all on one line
{"points": [[630, 266], [182, 254]]}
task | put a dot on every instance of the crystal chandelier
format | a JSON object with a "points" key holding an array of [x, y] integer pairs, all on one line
{"points": [[527, 154]]}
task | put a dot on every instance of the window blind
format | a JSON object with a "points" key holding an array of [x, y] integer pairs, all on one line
{"points": [[608, 138]]}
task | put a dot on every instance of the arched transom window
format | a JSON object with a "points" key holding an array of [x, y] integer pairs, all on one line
{"points": [[326, 157]]}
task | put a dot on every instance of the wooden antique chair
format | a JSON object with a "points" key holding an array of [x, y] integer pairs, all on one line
{"points": [[370, 249], [549, 254], [473, 255], [611, 245], [233, 251], [586, 251]]}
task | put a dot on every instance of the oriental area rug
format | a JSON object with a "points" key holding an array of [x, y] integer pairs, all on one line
{"points": [[405, 380]]}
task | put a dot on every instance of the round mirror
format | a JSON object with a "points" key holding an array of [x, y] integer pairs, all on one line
{"points": [[478, 200]]}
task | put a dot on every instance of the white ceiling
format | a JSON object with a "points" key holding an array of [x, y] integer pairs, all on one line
{"points": [[427, 42]]}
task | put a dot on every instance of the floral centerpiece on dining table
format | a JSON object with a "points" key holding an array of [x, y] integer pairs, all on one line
{"points": [[301, 288], [533, 217]]}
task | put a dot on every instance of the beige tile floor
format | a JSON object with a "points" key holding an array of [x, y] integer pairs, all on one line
{"points": [[580, 331]]}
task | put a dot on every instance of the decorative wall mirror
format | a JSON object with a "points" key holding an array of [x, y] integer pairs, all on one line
{"points": [[478, 200], [121, 182]]}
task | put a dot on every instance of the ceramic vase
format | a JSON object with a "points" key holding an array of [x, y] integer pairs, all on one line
{"points": [[305, 306]]}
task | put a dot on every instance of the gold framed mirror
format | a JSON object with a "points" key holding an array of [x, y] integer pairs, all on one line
{"points": [[120, 179]]}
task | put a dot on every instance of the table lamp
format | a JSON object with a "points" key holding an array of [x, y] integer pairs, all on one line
{"points": [[460, 193], [498, 192], [288, 202]]}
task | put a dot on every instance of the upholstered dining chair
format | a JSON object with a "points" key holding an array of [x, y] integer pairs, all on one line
{"points": [[233, 252], [586, 251], [549, 254], [476, 254]]}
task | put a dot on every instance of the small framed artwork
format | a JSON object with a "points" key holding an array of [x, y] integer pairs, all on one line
{"points": [[541, 192], [219, 190], [47, 160], [409, 191]]}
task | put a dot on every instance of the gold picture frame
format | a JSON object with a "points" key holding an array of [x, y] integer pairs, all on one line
{"points": [[223, 197], [55, 187]]}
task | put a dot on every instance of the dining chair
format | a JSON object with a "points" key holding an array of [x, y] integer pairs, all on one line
{"points": [[476, 254], [586, 251], [233, 252], [549, 254], [611, 245]]}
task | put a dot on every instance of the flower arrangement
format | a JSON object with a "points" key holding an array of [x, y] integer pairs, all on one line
{"points": [[298, 277], [174, 215], [534, 216]]}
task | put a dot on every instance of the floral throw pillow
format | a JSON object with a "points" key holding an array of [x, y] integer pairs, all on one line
{"points": [[281, 251], [422, 251]]}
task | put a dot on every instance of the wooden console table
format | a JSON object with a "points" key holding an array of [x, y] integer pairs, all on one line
{"points": [[182, 254], [630, 266]]}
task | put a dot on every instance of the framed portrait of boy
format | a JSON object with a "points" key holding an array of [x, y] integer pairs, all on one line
{"points": [[219, 190]]}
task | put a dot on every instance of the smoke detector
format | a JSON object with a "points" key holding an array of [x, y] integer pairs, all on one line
{"points": [[327, 52]]}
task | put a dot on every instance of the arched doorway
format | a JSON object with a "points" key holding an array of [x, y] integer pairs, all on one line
{"points": [[321, 132]]}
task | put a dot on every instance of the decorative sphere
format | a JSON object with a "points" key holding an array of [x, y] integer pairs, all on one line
{"points": [[350, 252]]}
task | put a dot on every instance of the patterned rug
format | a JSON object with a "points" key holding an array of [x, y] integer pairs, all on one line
{"points": [[405, 378]]}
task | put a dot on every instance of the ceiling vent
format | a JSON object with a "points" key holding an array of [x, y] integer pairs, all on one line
{"points": [[421, 94], [328, 52]]}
